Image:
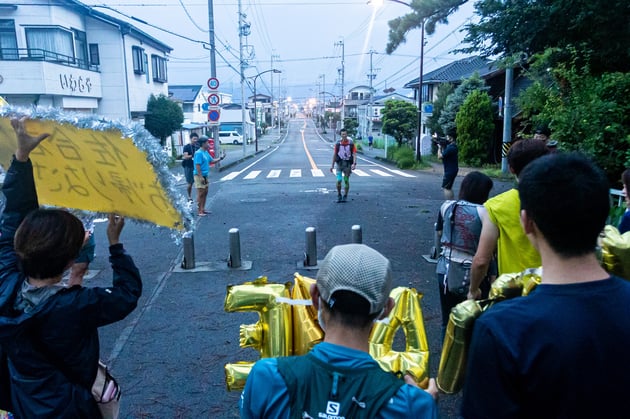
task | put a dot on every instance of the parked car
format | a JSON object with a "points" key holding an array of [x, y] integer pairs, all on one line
{"points": [[230, 137]]}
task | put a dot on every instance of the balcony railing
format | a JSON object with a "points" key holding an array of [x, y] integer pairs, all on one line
{"points": [[36, 54]]}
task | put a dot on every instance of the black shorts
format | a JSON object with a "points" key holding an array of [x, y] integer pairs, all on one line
{"points": [[448, 180]]}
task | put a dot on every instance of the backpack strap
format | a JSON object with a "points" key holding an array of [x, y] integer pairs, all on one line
{"points": [[317, 389]]}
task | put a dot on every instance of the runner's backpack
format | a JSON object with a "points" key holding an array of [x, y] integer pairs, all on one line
{"points": [[318, 390], [349, 148]]}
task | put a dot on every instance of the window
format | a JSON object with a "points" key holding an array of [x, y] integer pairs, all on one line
{"points": [[80, 48], [50, 43], [139, 65], [95, 58], [8, 41], [158, 65]]}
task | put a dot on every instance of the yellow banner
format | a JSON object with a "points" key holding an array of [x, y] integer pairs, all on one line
{"points": [[92, 170]]}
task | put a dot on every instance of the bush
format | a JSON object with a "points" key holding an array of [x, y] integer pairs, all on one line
{"points": [[474, 128], [404, 157]]}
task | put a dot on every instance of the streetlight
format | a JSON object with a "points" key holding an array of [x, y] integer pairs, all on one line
{"points": [[256, 102], [419, 132]]}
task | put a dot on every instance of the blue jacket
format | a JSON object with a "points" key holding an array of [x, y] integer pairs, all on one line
{"points": [[53, 349], [266, 395]]}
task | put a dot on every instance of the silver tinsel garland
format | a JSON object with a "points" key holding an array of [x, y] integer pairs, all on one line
{"points": [[142, 139]]}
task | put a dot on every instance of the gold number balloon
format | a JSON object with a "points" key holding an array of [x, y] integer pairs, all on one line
{"points": [[306, 330], [452, 367], [450, 378], [271, 335], [616, 252], [288, 326], [407, 314]]}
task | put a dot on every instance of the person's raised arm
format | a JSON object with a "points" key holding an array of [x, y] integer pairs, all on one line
{"points": [[483, 256], [25, 142], [114, 228]]}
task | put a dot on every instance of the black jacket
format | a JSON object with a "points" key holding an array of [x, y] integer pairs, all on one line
{"points": [[53, 350]]}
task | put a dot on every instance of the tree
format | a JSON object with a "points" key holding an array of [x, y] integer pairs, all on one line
{"points": [[456, 99], [597, 28], [163, 117], [400, 120], [351, 125], [586, 113], [434, 11], [444, 90], [475, 125]]}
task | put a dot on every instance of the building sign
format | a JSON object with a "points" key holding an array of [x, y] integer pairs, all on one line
{"points": [[75, 83]]}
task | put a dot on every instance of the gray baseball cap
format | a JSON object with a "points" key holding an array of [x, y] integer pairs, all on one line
{"points": [[359, 269]]}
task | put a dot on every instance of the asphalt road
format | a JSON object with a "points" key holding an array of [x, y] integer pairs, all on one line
{"points": [[169, 355]]}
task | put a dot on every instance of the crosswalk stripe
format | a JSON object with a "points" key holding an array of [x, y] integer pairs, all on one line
{"points": [[252, 175], [403, 174], [230, 176], [297, 173], [380, 173]]}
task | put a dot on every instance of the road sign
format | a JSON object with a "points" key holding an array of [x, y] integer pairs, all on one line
{"points": [[213, 116], [205, 106], [213, 83], [214, 99]]}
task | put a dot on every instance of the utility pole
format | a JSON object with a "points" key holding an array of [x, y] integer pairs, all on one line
{"points": [[371, 76], [279, 102], [242, 70], [271, 90], [420, 92], [342, 71], [213, 73], [323, 77], [507, 118]]}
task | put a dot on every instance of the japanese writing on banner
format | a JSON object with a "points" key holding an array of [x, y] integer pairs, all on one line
{"points": [[91, 170]]}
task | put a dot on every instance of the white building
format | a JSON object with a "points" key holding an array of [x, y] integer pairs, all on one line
{"points": [[64, 54], [370, 116]]}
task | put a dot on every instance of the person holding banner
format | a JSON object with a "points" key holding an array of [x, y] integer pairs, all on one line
{"points": [[49, 331]]}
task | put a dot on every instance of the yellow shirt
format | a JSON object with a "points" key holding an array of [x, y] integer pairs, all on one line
{"points": [[515, 252]]}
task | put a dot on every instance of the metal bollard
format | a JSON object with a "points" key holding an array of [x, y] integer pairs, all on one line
{"points": [[189, 251], [357, 235], [310, 257], [234, 260]]}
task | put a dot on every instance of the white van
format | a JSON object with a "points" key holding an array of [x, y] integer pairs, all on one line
{"points": [[230, 137]]}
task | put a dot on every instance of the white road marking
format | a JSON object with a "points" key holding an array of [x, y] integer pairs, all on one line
{"points": [[380, 173], [295, 173], [403, 174], [274, 174], [252, 175]]}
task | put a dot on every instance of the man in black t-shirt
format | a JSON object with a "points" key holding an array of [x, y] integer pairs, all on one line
{"points": [[187, 162]]}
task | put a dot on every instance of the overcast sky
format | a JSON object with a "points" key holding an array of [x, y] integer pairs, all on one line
{"points": [[302, 37]]}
